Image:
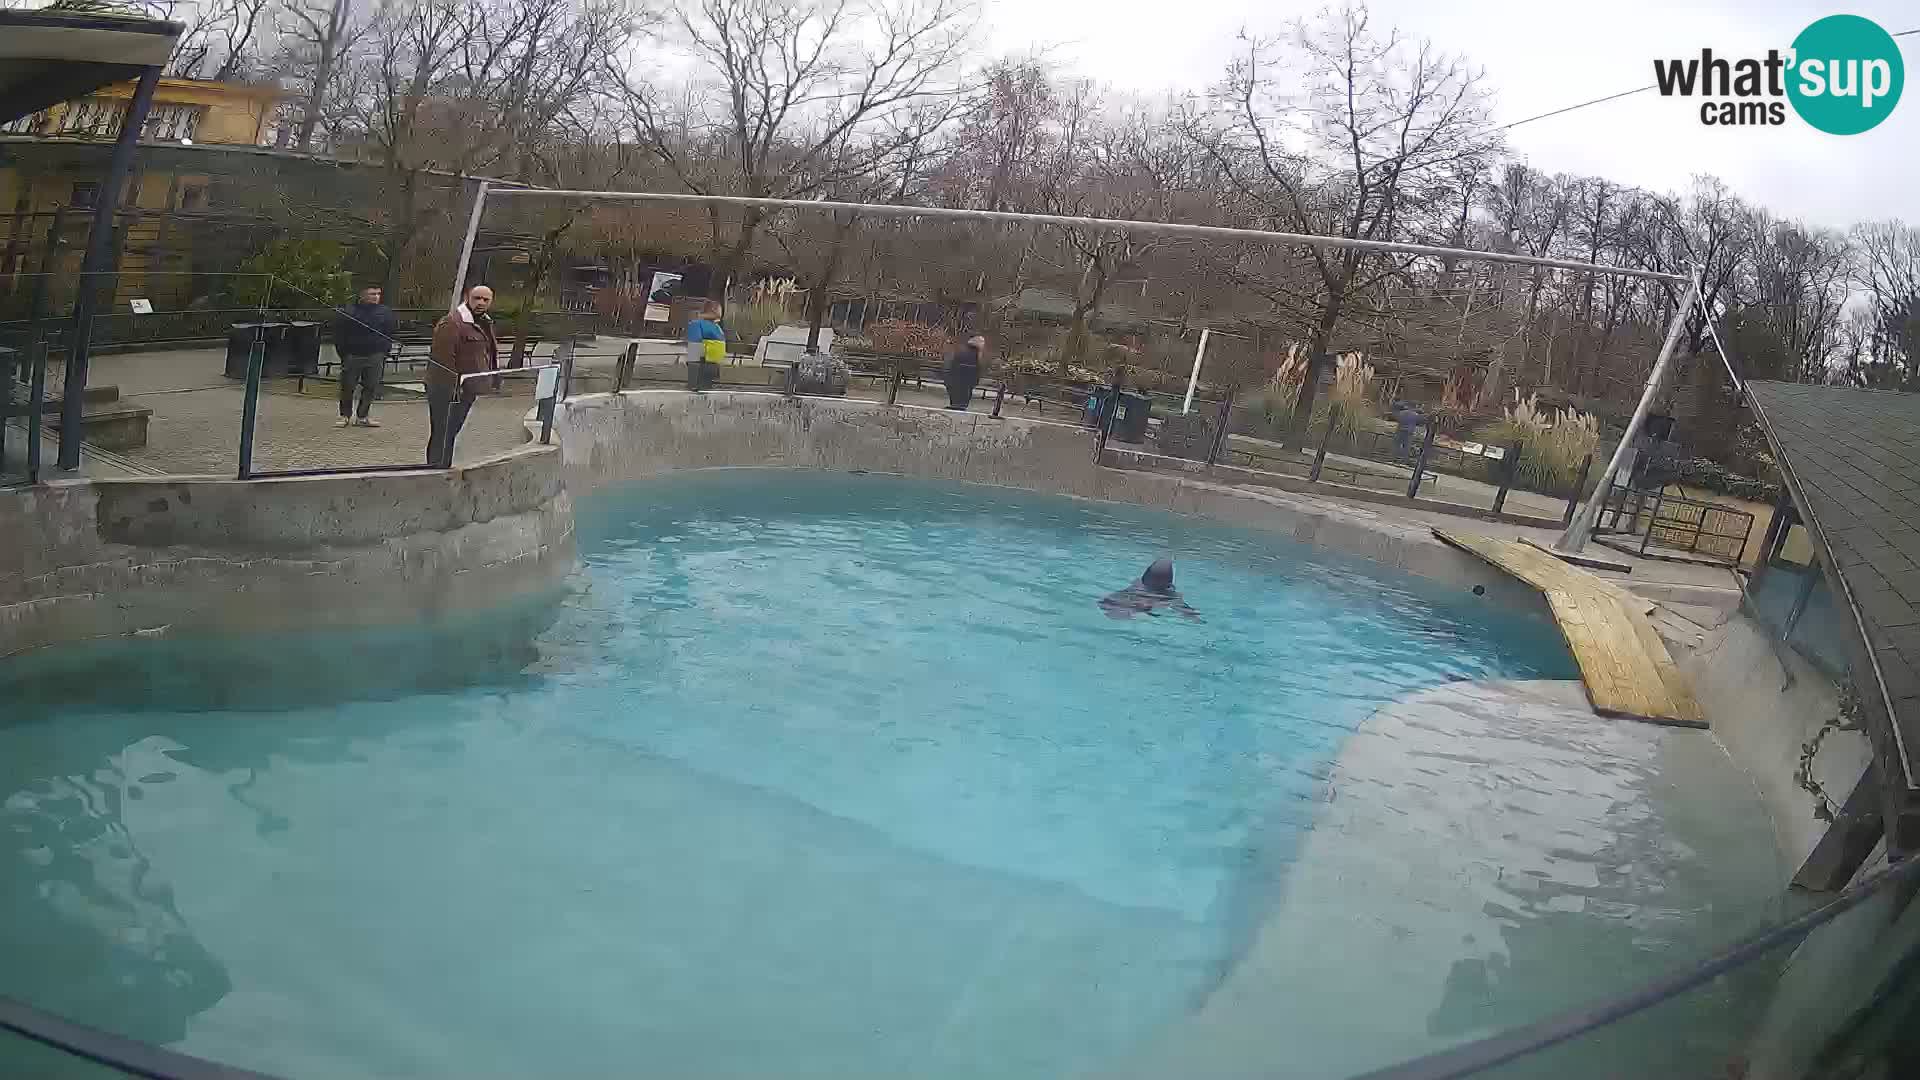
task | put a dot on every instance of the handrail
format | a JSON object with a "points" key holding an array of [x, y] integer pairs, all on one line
{"points": [[130, 1056], [1507, 1046]]}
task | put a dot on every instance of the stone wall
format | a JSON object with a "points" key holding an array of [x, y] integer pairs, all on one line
{"points": [[92, 558], [610, 438], [1766, 705]]}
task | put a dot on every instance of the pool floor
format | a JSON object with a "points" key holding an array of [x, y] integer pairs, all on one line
{"points": [[805, 775]]}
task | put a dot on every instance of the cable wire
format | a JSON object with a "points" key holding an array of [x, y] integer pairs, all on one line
{"points": [[1625, 93], [1582, 105]]}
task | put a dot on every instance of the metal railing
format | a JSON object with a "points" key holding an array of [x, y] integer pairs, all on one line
{"points": [[1673, 526]]}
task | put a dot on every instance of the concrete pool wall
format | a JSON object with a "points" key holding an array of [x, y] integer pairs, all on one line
{"points": [[98, 558], [88, 558], [611, 438]]}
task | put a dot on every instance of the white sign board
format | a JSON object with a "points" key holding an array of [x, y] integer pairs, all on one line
{"points": [[549, 384], [658, 313], [141, 306], [664, 288]]}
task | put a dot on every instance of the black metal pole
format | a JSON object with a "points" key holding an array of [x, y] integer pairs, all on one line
{"points": [[623, 371], [1579, 485], [94, 263], [1420, 462], [1220, 428], [1320, 455], [37, 347], [1111, 413], [250, 404], [1512, 463], [893, 384], [999, 398]]}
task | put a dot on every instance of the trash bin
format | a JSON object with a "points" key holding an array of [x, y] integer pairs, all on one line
{"points": [[1096, 407], [300, 348], [1132, 423], [240, 338]]}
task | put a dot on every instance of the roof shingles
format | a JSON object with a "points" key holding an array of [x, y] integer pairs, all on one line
{"points": [[1854, 456]]}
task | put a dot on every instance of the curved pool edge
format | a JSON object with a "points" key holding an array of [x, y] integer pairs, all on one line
{"points": [[110, 557], [617, 437], [1572, 813]]}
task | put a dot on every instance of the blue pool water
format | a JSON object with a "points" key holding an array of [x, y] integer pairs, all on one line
{"points": [[805, 775]]}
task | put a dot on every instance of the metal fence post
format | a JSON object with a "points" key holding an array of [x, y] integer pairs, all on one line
{"points": [[1573, 497], [623, 371], [95, 264], [792, 388], [893, 384], [1111, 414], [1512, 469], [563, 355], [1320, 455], [1220, 429], [999, 398], [1420, 462], [1647, 537], [250, 405]]}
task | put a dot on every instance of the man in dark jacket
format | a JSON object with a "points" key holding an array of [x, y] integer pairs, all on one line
{"points": [[963, 372], [363, 336], [463, 344]]}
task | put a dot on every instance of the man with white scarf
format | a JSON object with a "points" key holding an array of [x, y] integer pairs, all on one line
{"points": [[463, 344]]}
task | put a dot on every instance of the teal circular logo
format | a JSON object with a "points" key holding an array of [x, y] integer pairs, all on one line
{"points": [[1846, 74]]}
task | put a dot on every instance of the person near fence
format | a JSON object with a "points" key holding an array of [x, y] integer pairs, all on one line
{"points": [[963, 371], [363, 336], [706, 347], [463, 344], [1406, 420]]}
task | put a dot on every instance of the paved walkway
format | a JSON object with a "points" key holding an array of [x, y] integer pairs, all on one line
{"points": [[195, 427]]}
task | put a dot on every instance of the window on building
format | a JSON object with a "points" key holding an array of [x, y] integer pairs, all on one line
{"points": [[91, 117], [85, 193], [101, 118], [31, 124], [172, 123]]}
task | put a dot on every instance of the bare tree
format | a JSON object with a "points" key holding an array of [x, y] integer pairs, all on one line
{"points": [[1887, 270], [462, 87], [817, 248], [318, 38], [1786, 323], [788, 99], [1372, 150], [220, 40]]}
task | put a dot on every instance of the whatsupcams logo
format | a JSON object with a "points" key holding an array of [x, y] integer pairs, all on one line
{"points": [[1843, 75]]}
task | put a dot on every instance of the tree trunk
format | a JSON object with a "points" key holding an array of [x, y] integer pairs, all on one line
{"points": [[820, 289], [1093, 285], [735, 256], [400, 233], [1310, 383]]}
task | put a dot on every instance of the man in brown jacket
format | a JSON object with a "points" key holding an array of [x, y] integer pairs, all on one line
{"points": [[463, 344]]}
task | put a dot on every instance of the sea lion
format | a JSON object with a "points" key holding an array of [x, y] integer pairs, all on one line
{"points": [[1153, 591]]}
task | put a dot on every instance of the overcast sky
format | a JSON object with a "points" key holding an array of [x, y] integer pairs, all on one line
{"points": [[1540, 56]]}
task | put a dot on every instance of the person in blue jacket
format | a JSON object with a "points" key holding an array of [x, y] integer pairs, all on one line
{"points": [[701, 329]]}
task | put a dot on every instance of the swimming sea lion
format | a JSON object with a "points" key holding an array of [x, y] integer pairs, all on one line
{"points": [[1153, 591]]}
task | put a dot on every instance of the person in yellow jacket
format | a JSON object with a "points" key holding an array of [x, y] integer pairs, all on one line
{"points": [[706, 345]]}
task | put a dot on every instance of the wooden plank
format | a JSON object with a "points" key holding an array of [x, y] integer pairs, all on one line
{"points": [[1624, 664]]}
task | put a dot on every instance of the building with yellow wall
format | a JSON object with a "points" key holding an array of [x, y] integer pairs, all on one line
{"points": [[54, 160]]}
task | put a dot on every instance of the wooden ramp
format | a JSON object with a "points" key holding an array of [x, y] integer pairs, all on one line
{"points": [[1623, 663]]}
